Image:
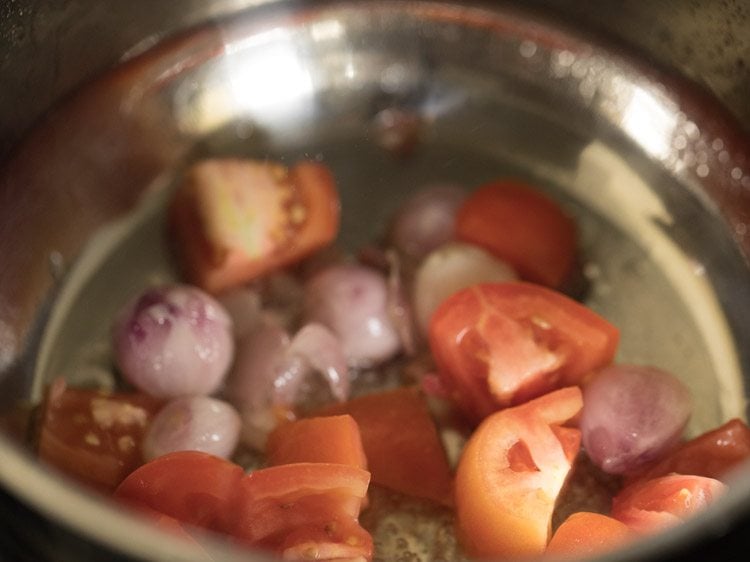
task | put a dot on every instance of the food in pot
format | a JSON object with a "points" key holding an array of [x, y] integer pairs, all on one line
{"points": [[235, 220], [194, 423], [173, 341], [633, 415], [293, 402]]}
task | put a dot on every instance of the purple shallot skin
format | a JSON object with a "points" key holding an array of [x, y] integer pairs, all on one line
{"points": [[631, 415], [173, 340], [352, 301], [193, 423]]}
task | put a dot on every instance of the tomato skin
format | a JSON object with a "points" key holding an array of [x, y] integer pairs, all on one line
{"points": [[521, 226], [327, 439], [501, 344], [510, 474], [654, 505], [585, 534], [193, 487], [401, 443], [713, 454], [94, 437], [234, 220]]}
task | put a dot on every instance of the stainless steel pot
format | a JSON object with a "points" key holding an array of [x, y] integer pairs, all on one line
{"points": [[656, 170]]}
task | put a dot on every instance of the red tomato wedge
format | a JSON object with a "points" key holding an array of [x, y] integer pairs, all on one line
{"points": [[523, 227], [307, 510], [403, 448], [714, 454], [654, 505], [234, 220], [501, 344], [193, 487], [510, 473], [585, 534], [328, 439], [93, 436]]}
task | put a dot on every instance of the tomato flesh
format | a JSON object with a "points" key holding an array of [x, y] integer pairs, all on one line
{"points": [[235, 220], [94, 437], [311, 508], [191, 486], [521, 226], [300, 509], [327, 439], [654, 505], [510, 474], [402, 446], [501, 344]]}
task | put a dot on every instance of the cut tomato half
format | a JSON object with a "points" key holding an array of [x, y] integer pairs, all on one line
{"points": [[501, 344], [234, 220], [510, 474]]}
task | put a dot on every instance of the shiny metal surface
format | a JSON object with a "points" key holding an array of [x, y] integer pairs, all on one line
{"points": [[70, 42], [656, 172]]}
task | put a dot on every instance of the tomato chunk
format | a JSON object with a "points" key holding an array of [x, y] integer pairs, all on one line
{"points": [[299, 511], [303, 511], [654, 505], [403, 448], [193, 487], [234, 220], [714, 454], [510, 473], [328, 439], [501, 344], [586, 533], [92, 436], [523, 227]]}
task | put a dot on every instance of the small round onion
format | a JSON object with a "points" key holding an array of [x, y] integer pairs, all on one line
{"points": [[173, 340], [450, 268], [193, 423], [631, 415], [258, 363], [352, 301], [271, 368], [426, 220]]}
